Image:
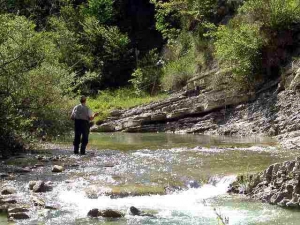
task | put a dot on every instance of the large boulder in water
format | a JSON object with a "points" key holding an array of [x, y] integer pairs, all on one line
{"points": [[107, 213]]}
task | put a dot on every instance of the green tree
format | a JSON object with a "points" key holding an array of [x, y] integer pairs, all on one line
{"points": [[32, 80], [101, 9], [146, 78]]}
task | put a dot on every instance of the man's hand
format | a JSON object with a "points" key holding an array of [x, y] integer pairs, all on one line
{"points": [[95, 114]]}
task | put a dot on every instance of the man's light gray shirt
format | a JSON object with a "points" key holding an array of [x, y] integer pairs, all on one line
{"points": [[81, 112]]}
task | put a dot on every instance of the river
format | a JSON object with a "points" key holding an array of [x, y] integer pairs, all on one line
{"points": [[137, 168]]}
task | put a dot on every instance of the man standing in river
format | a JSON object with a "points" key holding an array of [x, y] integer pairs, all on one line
{"points": [[82, 115]]}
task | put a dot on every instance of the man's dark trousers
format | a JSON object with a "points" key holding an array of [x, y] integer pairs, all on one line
{"points": [[82, 130]]}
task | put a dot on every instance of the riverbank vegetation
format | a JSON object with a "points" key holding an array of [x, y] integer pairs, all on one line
{"points": [[123, 98], [53, 51]]}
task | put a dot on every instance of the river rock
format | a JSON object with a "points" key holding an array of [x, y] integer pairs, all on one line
{"points": [[4, 201], [37, 201], [31, 184], [94, 213], [57, 169], [8, 191], [137, 212], [134, 211], [18, 216], [107, 213], [38, 186], [4, 175], [52, 206], [17, 209]]}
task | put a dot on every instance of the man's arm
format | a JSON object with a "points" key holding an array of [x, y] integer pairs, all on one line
{"points": [[91, 115], [72, 117]]}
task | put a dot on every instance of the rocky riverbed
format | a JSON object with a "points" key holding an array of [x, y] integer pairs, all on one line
{"points": [[170, 179]]}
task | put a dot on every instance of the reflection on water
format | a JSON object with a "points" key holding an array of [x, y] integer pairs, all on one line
{"points": [[151, 162], [135, 141]]}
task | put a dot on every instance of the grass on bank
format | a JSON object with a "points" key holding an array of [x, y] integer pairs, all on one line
{"points": [[123, 98]]}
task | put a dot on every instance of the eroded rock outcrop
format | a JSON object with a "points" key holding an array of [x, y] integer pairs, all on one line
{"points": [[279, 184]]}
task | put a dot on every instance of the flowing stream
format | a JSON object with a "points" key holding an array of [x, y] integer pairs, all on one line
{"points": [[137, 169]]}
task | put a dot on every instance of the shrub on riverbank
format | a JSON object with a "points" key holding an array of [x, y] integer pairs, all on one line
{"points": [[257, 40], [32, 84]]}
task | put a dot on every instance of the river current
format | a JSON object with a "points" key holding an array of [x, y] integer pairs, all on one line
{"points": [[138, 168]]}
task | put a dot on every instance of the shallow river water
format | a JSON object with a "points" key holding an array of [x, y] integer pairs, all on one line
{"points": [[131, 165]]}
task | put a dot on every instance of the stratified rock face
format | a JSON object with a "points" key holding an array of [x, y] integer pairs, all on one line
{"points": [[169, 113], [279, 184], [271, 111]]}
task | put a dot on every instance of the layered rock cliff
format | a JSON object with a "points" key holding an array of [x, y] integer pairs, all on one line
{"points": [[271, 111]]}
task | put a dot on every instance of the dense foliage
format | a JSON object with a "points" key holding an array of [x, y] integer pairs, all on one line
{"points": [[257, 40], [54, 50], [32, 80]]}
